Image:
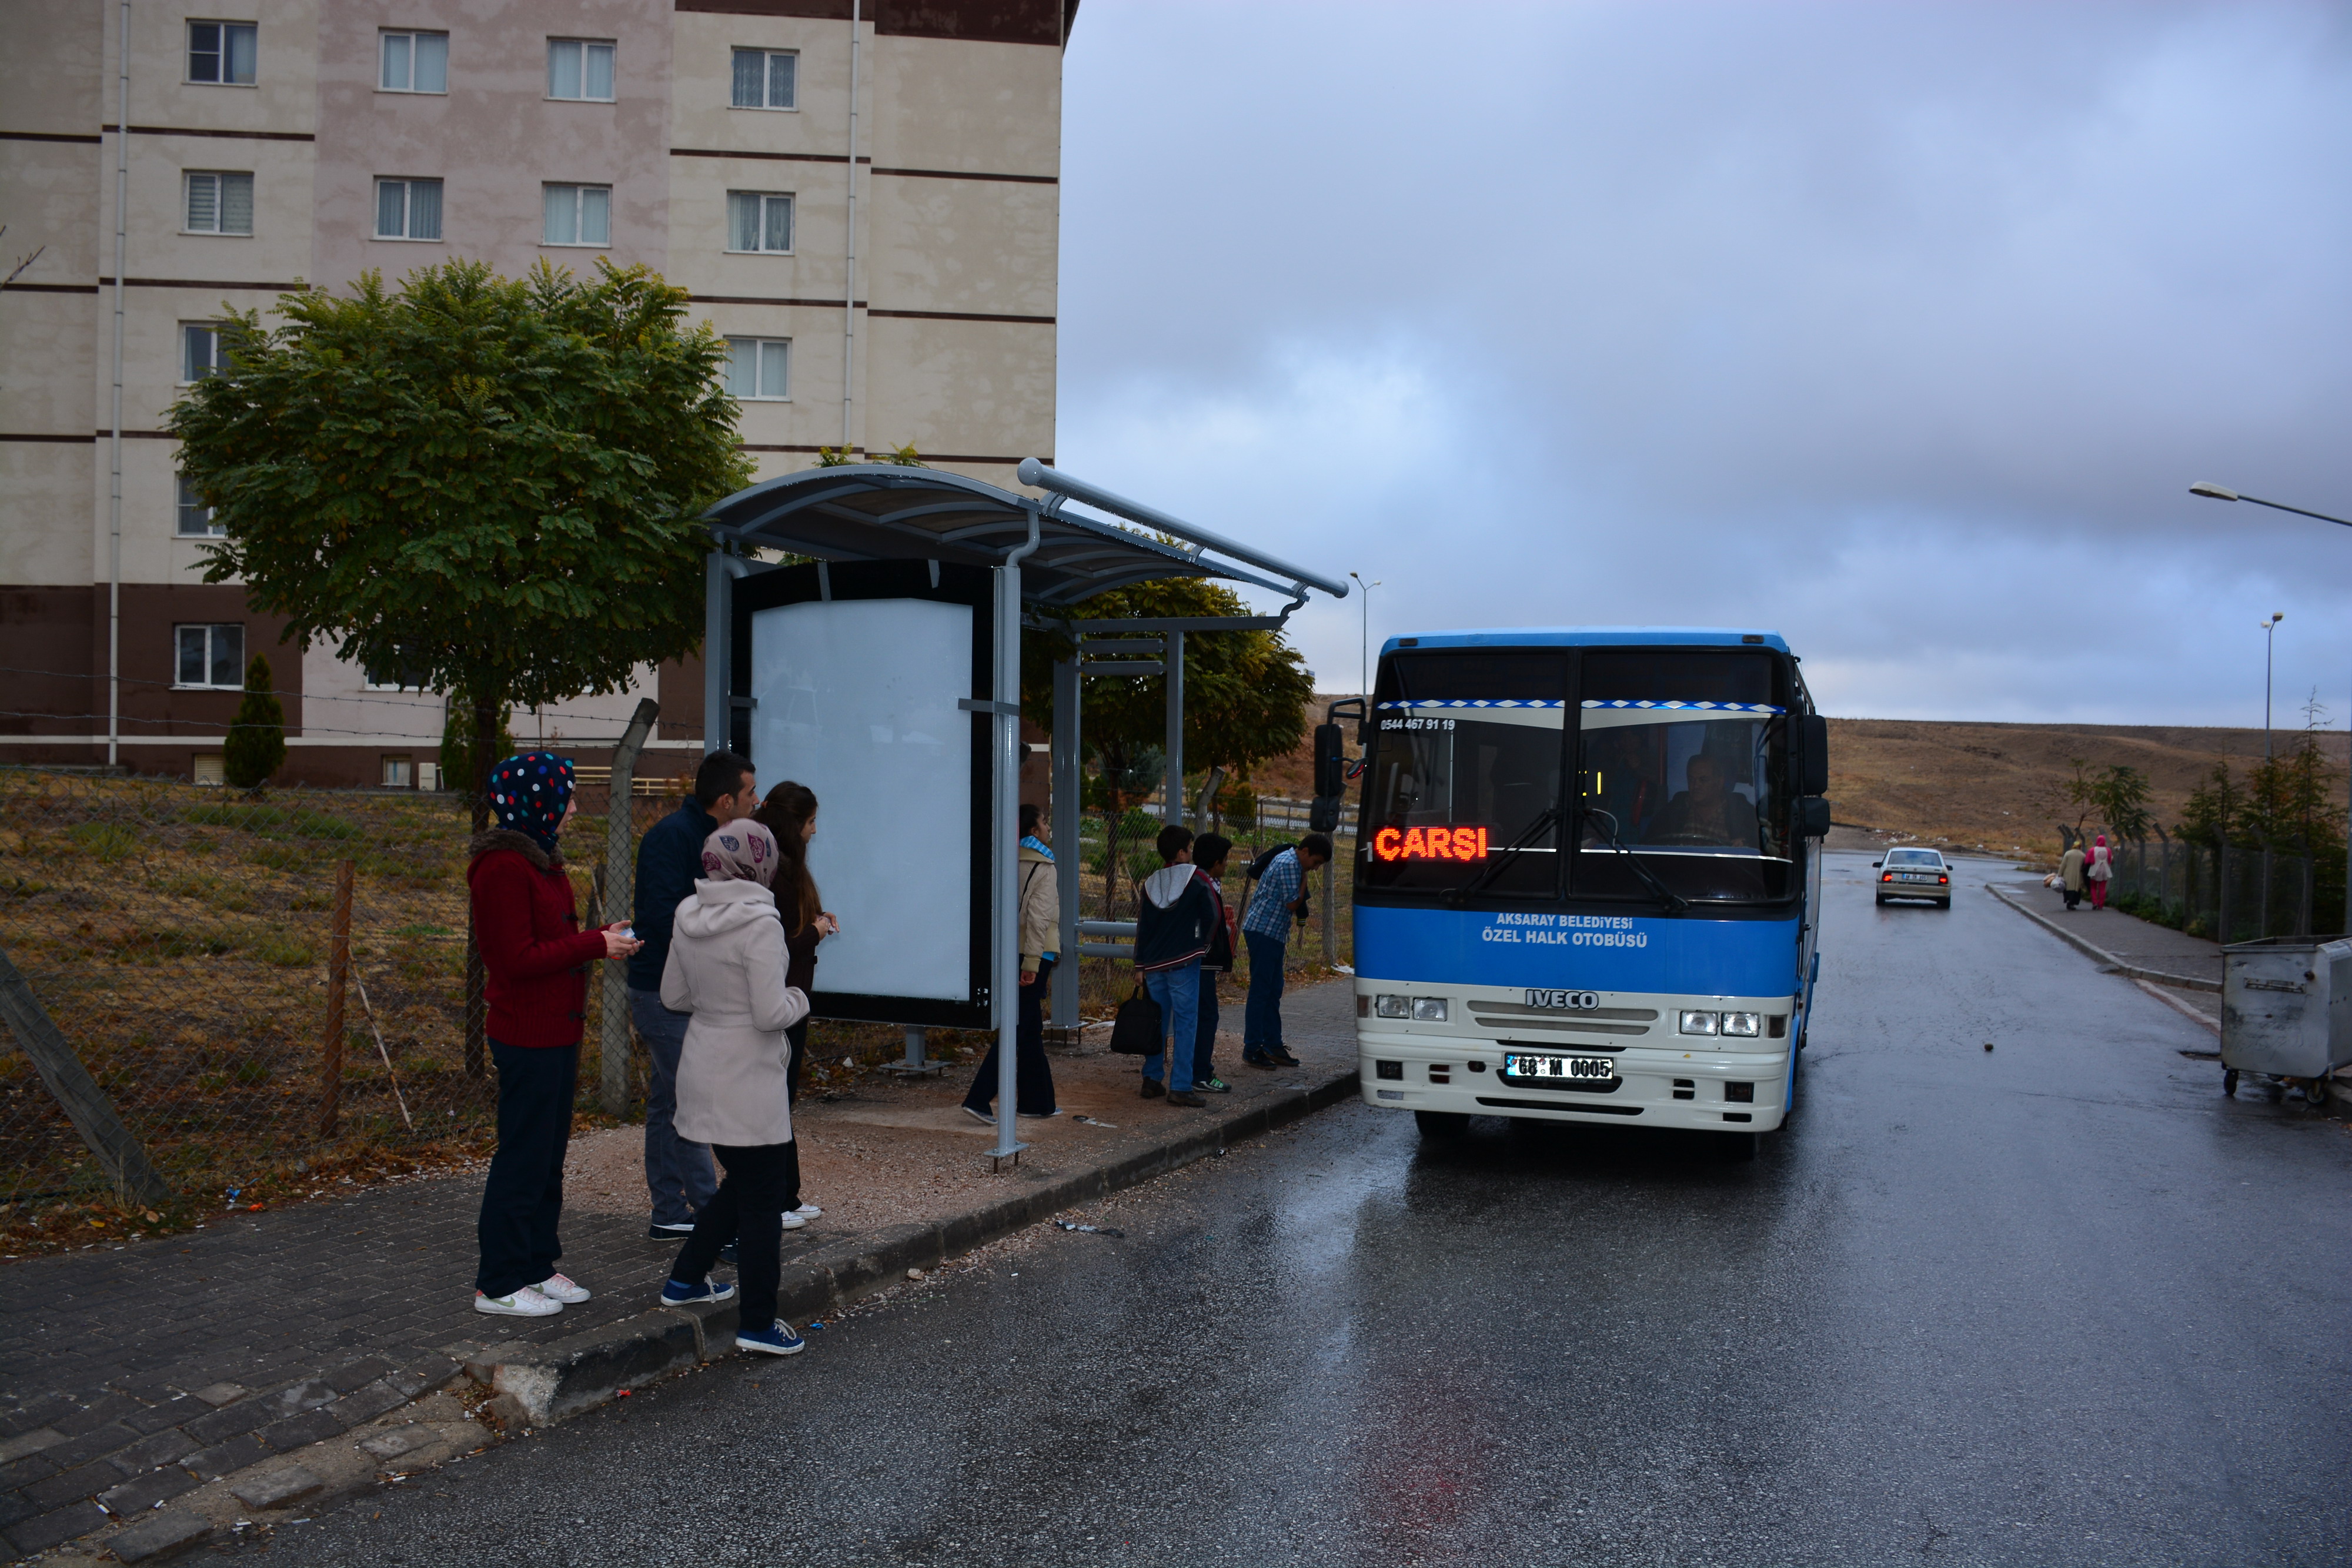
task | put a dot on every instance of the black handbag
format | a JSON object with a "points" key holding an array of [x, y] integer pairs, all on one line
{"points": [[1134, 1031]]}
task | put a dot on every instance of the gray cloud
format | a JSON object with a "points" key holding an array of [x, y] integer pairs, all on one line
{"points": [[1901, 329]]}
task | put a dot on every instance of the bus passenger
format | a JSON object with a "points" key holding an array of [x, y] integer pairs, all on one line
{"points": [[1266, 929], [1710, 811], [1172, 932]]}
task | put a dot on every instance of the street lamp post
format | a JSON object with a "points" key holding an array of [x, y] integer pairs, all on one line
{"points": [[1364, 643], [2269, 635], [2223, 493]]}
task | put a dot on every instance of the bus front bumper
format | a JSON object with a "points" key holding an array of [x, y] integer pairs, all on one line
{"points": [[1715, 1091]]}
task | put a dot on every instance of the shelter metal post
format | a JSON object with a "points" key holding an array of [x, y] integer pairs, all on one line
{"points": [[1068, 783], [1004, 832], [717, 655], [1173, 812], [918, 1063]]}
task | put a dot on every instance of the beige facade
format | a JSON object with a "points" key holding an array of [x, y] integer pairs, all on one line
{"points": [[241, 190]]}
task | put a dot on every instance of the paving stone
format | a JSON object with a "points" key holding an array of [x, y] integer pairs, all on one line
{"points": [[299, 1431], [225, 1424], [101, 1411], [40, 1413], [54, 1529], [228, 1458], [219, 1394], [145, 1491], [160, 1536], [167, 1415], [32, 1442], [25, 1472], [367, 1404], [400, 1440], [295, 1398], [358, 1374], [90, 1444], [278, 1488], [66, 1486], [148, 1452]]}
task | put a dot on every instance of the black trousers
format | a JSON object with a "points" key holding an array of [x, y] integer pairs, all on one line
{"points": [[762, 1182], [523, 1198], [1033, 1076], [798, 1035]]}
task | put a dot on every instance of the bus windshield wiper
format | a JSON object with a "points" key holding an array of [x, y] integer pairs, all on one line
{"points": [[1673, 900], [1535, 829]]}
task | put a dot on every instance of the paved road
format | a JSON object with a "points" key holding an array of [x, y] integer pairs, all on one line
{"points": [[2056, 1302]]}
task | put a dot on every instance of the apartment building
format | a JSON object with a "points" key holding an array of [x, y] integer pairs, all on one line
{"points": [[867, 207]]}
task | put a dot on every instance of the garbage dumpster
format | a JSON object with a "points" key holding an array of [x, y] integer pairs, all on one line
{"points": [[2286, 1011]]}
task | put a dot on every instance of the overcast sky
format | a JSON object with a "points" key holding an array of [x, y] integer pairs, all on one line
{"points": [[1900, 328]]}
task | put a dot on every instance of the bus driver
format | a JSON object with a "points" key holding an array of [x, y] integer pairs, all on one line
{"points": [[1708, 812]]}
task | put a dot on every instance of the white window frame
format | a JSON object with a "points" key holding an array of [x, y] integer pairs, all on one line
{"points": [[588, 49], [211, 655], [219, 180], [403, 763], [186, 504], [792, 221], [189, 330], [761, 350], [222, 53], [768, 59], [579, 215], [407, 208], [411, 35]]}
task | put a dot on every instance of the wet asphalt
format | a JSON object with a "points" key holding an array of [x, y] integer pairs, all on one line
{"points": [[2055, 1303]]}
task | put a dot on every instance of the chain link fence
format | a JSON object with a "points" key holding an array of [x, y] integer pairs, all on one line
{"points": [[2237, 893]]}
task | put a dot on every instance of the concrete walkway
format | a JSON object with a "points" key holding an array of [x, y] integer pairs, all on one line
{"points": [[2136, 942]]}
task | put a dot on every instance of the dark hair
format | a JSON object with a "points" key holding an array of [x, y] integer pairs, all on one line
{"points": [[785, 813], [1030, 817], [1174, 839], [721, 773], [1317, 845], [1211, 848]]}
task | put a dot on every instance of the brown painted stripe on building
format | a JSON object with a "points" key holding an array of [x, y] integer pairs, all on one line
{"points": [[140, 435], [769, 157], [965, 316], [49, 136], [230, 135], [204, 283], [53, 288], [970, 174], [765, 299], [41, 435]]}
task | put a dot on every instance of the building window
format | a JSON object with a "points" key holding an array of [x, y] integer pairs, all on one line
{"points": [[206, 768], [764, 78], [408, 209], [219, 203], [759, 220], [579, 214], [221, 53], [415, 62], [195, 519], [402, 675], [756, 367], [579, 68], [399, 773], [200, 351], [212, 657]]}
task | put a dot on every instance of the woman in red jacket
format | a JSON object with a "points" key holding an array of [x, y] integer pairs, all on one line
{"points": [[538, 958]]}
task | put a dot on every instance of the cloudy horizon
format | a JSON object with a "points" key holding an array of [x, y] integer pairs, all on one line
{"points": [[1901, 329]]}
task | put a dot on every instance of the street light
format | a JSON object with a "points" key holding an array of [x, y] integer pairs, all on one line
{"points": [[2222, 493], [1364, 644], [2269, 629]]}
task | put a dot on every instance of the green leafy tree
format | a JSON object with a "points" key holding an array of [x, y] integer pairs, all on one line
{"points": [[2119, 794], [458, 741], [2216, 810], [256, 747]]}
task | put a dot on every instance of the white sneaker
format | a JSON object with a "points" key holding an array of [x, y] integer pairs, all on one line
{"points": [[809, 1211], [526, 1303], [557, 1288], [793, 1221]]}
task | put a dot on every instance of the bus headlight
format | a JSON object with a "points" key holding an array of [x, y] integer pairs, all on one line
{"points": [[1701, 1024], [1390, 1007], [1744, 1024], [1429, 1010]]}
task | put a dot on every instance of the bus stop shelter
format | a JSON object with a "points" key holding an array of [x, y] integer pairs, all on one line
{"points": [[883, 668]]}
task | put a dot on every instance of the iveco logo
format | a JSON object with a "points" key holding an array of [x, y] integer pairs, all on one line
{"points": [[1569, 1001]]}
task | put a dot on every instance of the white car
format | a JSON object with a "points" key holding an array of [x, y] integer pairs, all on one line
{"points": [[1914, 874]]}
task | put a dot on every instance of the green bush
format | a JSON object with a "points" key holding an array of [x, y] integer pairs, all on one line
{"points": [[256, 747], [106, 841]]}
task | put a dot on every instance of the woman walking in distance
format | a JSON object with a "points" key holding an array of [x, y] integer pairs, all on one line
{"points": [[2098, 870], [789, 813], [528, 928], [727, 962]]}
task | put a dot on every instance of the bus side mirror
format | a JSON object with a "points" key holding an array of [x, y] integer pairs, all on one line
{"points": [[1815, 811], [1323, 814], [1813, 755], [1330, 764]]}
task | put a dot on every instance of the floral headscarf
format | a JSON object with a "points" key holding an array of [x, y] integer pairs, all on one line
{"points": [[740, 852], [529, 794]]}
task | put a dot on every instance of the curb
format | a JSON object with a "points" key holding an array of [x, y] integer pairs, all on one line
{"points": [[2155, 977], [538, 1384]]}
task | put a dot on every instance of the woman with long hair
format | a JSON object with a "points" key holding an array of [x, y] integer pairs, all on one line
{"points": [[789, 813]]}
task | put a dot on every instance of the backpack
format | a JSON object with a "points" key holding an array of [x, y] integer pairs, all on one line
{"points": [[1257, 867]]}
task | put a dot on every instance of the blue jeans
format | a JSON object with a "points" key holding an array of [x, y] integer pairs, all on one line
{"points": [[1178, 992], [1262, 1021], [678, 1171], [1204, 1041]]}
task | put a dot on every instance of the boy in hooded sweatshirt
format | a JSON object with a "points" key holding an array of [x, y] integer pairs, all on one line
{"points": [[1174, 923]]}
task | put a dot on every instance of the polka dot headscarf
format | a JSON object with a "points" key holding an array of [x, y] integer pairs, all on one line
{"points": [[529, 793]]}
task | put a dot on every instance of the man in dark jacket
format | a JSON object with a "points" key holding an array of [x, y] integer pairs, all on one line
{"points": [[1174, 921], [669, 859]]}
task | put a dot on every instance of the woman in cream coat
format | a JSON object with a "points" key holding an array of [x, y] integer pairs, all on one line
{"points": [[727, 967]]}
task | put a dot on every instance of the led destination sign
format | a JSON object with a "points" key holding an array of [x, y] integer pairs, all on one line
{"points": [[1431, 844]]}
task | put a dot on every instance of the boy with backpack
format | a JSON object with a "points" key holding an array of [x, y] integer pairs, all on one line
{"points": [[1266, 928], [1174, 921]]}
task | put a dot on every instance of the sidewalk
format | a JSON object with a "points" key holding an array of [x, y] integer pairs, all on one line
{"points": [[134, 1375], [2133, 941]]}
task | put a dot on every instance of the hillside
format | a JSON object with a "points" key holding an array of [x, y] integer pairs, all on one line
{"points": [[1994, 785]]}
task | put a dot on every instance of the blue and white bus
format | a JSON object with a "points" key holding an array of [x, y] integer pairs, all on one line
{"points": [[1588, 873]]}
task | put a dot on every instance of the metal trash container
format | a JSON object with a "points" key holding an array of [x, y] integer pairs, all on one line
{"points": [[2286, 1011]]}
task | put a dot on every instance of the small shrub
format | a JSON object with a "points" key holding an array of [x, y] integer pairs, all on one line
{"points": [[286, 951], [251, 1072], [107, 842], [256, 745]]}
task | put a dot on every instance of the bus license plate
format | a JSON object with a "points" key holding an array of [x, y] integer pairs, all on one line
{"points": [[1580, 1068]]}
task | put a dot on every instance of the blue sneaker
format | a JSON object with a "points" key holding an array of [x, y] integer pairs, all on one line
{"points": [[678, 1293], [778, 1340]]}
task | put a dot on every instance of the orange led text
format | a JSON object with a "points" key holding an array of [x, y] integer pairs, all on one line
{"points": [[1431, 844]]}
